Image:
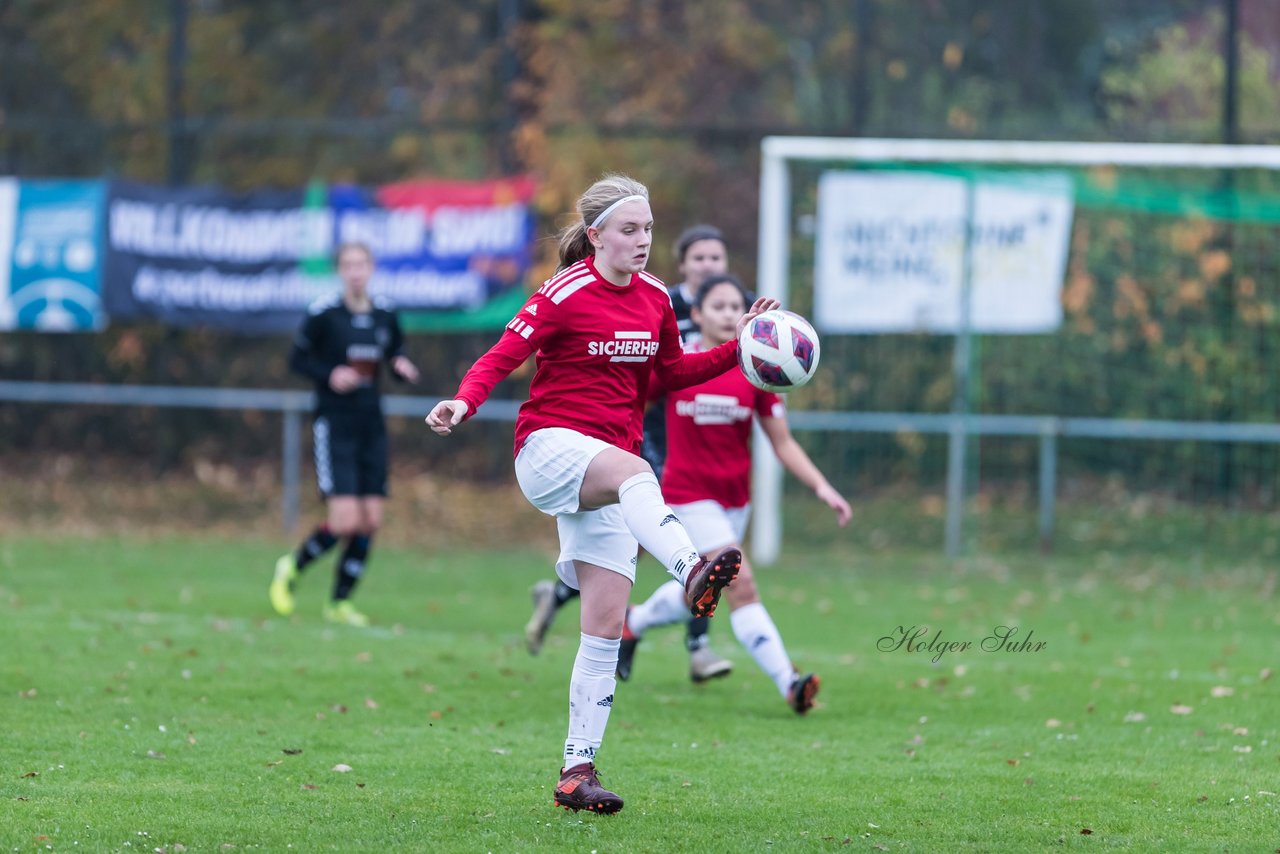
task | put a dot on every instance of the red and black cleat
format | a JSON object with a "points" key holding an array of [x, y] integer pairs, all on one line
{"points": [[579, 789], [706, 580], [801, 694]]}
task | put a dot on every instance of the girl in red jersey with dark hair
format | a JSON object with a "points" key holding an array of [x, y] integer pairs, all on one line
{"points": [[707, 478], [599, 329]]}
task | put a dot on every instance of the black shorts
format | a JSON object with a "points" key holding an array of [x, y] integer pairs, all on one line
{"points": [[654, 446], [351, 453]]}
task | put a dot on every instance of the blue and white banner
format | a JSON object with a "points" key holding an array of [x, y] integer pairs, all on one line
{"points": [[890, 252], [253, 262], [50, 255]]}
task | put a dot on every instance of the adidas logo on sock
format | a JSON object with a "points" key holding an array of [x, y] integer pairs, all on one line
{"points": [[607, 702], [589, 752], [671, 517]]}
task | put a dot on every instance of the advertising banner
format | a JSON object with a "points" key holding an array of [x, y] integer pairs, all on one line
{"points": [[254, 262], [890, 252], [50, 243]]}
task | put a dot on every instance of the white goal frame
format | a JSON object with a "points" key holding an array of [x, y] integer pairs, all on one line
{"points": [[774, 252]]}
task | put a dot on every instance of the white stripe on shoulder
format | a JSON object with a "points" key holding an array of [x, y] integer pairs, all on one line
{"points": [[656, 282], [324, 303], [570, 272], [563, 292]]}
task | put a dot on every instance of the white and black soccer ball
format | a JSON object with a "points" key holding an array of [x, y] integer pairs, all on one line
{"points": [[778, 351]]}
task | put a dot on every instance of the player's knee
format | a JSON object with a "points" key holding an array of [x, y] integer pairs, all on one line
{"points": [[742, 590]]}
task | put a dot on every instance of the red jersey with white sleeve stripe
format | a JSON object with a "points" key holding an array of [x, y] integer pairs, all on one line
{"points": [[709, 438], [597, 345]]}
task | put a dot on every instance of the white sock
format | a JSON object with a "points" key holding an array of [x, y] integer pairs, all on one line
{"points": [[590, 697], [755, 630], [664, 607], [654, 526]]}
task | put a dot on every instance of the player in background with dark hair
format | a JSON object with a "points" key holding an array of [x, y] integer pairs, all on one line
{"points": [[600, 328], [700, 251], [341, 345], [707, 479]]}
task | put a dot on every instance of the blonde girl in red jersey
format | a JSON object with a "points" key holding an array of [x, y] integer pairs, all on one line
{"points": [[707, 478], [599, 328]]}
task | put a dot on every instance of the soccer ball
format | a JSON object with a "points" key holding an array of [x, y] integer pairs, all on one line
{"points": [[778, 351]]}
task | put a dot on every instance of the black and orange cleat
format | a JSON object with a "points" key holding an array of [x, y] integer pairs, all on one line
{"points": [[708, 578], [579, 789], [801, 694], [627, 648]]}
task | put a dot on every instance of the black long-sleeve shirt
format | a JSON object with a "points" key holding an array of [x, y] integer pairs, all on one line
{"points": [[331, 335]]}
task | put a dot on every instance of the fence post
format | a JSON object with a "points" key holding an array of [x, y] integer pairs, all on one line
{"points": [[1048, 481], [291, 453], [962, 369]]}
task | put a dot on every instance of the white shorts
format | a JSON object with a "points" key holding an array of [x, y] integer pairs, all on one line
{"points": [[550, 468], [713, 526], [551, 465], [599, 537]]}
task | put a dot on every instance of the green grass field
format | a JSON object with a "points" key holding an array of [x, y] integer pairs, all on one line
{"points": [[152, 702]]}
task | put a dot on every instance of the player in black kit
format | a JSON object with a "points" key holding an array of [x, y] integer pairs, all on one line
{"points": [[700, 252], [342, 344]]}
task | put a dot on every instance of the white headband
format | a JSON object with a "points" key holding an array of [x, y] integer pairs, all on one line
{"points": [[604, 214]]}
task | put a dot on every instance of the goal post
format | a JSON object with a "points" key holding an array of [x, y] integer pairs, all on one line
{"points": [[778, 226]]}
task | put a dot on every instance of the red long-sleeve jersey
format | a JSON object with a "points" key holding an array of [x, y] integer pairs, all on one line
{"points": [[596, 346]]}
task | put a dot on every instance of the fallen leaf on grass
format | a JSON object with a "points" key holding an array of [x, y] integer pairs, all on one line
{"points": [[31, 774], [274, 764], [1084, 831], [1221, 691], [1265, 674], [1134, 718], [1053, 723], [291, 751], [1180, 709], [29, 694], [339, 708], [155, 754], [308, 786], [364, 656], [342, 768], [436, 714], [1014, 761], [370, 703], [1240, 730]]}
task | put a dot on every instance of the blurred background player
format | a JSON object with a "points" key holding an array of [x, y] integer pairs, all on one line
{"points": [[342, 344], [707, 479], [601, 329], [700, 251]]}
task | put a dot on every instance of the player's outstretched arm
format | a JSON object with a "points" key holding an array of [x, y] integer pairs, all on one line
{"points": [[798, 463], [446, 415]]}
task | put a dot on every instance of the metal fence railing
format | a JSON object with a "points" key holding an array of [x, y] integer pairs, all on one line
{"points": [[294, 405]]}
